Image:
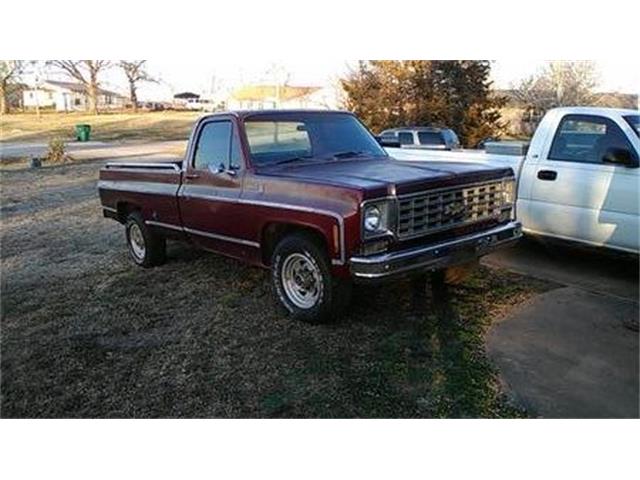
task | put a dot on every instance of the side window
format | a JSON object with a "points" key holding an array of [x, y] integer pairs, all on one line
{"points": [[213, 145], [586, 138], [405, 138]]}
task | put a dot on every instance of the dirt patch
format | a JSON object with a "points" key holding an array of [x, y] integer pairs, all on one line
{"points": [[87, 334]]}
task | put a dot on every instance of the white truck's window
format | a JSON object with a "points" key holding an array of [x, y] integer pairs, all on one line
{"points": [[213, 145], [405, 138], [634, 121], [586, 138], [430, 138]]}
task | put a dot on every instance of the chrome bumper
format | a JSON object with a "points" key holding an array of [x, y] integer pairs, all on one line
{"points": [[435, 256]]}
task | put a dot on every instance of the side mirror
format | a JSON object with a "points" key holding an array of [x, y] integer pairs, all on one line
{"points": [[620, 156], [222, 168], [387, 142]]}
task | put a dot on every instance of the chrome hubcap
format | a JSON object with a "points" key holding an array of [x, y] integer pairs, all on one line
{"points": [[136, 242], [301, 280]]}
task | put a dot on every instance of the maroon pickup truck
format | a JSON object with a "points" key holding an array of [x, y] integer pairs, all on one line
{"points": [[315, 198]]}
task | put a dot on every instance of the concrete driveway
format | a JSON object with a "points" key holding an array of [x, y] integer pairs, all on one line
{"points": [[573, 351]]}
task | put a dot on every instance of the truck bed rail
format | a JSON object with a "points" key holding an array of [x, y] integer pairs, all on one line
{"points": [[160, 166]]}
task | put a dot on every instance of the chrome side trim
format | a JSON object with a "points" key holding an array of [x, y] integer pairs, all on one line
{"points": [[164, 225], [110, 209], [224, 238], [161, 167]]}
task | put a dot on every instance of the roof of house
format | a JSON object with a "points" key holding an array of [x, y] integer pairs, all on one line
{"points": [[78, 87], [186, 95], [264, 92]]}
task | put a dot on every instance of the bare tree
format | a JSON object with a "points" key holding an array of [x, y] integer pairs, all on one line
{"points": [[10, 70], [135, 71], [86, 72], [559, 83]]}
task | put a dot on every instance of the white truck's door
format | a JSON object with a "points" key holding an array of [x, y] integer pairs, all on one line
{"points": [[574, 195]]}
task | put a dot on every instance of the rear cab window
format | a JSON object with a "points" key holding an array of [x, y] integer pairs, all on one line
{"points": [[405, 138], [430, 138]]}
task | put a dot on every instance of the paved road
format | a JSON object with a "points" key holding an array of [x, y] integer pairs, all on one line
{"points": [[95, 150], [573, 351]]}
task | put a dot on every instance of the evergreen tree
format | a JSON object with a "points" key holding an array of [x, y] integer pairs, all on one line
{"points": [[455, 94]]}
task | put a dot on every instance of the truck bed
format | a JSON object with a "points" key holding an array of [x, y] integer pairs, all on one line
{"points": [[154, 185]]}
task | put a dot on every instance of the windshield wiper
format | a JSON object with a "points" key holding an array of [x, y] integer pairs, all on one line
{"points": [[293, 159], [348, 154]]}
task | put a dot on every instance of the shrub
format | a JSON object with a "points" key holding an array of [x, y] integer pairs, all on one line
{"points": [[56, 152]]}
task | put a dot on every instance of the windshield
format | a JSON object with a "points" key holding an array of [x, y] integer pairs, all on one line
{"points": [[282, 137], [634, 121]]}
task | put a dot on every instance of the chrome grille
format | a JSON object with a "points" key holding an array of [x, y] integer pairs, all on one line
{"points": [[431, 212]]}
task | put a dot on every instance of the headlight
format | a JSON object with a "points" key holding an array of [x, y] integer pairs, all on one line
{"points": [[376, 219], [372, 218]]}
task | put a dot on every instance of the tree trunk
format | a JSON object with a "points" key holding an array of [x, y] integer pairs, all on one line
{"points": [[133, 95], [92, 92], [4, 103]]}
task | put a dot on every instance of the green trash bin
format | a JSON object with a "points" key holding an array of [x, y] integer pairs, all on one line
{"points": [[83, 132]]}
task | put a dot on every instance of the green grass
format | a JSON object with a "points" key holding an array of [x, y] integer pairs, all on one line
{"points": [[28, 127]]}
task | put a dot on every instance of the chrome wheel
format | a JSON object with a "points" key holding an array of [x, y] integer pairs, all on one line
{"points": [[302, 280], [136, 242]]}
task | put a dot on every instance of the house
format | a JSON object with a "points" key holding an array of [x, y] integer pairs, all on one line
{"points": [[260, 97], [184, 99], [69, 96]]}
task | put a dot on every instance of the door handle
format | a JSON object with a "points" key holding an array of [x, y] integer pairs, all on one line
{"points": [[191, 176], [547, 175]]}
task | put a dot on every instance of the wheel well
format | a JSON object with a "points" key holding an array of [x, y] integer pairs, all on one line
{"points": [[124, 209], [274, 232]]}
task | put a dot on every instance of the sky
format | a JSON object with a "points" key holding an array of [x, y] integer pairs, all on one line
{"points": [[221, 75]]}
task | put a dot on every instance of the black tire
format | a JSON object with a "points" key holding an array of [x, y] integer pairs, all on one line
{"points": [[146, 248], [333, 294]]}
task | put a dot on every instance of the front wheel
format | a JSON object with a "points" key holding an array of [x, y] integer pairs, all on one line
{"points": [[303, 282]]}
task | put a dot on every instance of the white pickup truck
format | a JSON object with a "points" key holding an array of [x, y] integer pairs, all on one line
{"points": [[579, 179]]}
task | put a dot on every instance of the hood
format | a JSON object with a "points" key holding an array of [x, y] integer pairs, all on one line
{"points": [[377, 176]]}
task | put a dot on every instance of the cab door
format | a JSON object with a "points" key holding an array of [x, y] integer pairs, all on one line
{"points": [[211, 187], [578, 196]]}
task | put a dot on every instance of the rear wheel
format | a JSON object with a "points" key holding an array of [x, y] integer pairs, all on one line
{"points": [[146, 248], [303, 283]]}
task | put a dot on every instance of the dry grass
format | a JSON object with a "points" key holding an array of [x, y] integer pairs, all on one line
{"points": [[27, 127], [87, 334]]}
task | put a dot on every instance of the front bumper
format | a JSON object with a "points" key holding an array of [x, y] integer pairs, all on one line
{"points": [[436, 256]]}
